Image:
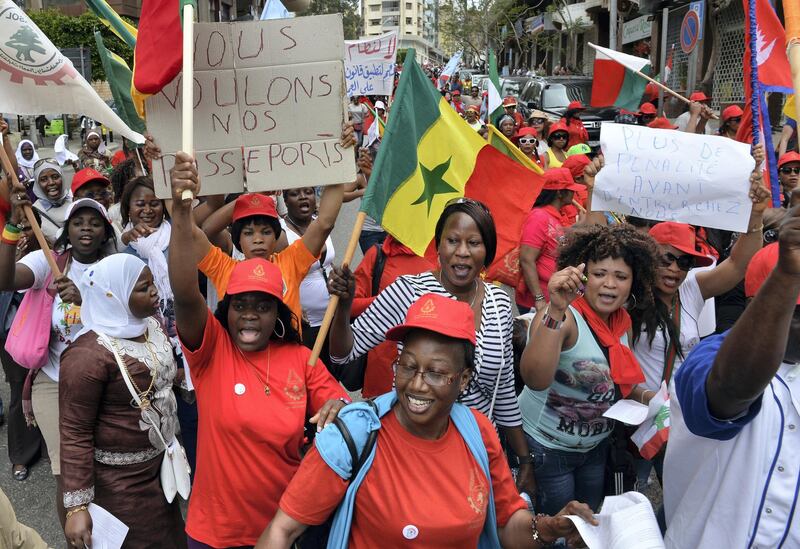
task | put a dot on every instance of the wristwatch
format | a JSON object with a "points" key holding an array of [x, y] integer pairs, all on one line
{"points": [[516, 460]]}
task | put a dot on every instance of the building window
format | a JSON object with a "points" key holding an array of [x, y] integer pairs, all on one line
{"points": [[374, 21], [409, 5], [374, 8], [391, 6], [408, 21]]}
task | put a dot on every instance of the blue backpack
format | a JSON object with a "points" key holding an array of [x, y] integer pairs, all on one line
{"points": [[349, 450]]}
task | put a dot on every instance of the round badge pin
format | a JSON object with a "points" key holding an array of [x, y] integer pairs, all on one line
{"points": [[239, 388], [410, 531]]}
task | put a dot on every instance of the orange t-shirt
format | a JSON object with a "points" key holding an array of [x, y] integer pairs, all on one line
{"points": [[248, 443], [431, 493], [294, 263]]}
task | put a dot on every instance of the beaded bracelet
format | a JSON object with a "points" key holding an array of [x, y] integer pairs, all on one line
{"points": [[77, 510], [535, 528]]}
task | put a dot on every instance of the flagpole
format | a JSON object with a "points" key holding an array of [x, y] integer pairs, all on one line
{"points": [[791, 15], [187, 84], [755, 93], [37, 231], [674, 94], [333, 302]]}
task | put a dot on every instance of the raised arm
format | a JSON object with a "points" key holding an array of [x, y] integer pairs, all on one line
{"points": [[341, 282], [754, 349], [730, 272], [190, 307], [589, 175], [321, 227], [539, 360]]}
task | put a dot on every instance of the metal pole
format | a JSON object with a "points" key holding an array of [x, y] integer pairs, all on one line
{"points": [[692, 76], [663, 63], [612, 24]]}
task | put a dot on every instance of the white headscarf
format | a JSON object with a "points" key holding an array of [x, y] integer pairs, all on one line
{"points": [[106, 288], [62, 152], [39, 192], [151, 248], [21, 159]]}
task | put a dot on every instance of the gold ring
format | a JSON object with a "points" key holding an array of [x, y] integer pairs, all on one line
{"points": [[19, 197]]}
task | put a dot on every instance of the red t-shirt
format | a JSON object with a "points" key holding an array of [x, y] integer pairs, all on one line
{"points": [[248, 444], [541, 229], [429, 492], [400, 260]]}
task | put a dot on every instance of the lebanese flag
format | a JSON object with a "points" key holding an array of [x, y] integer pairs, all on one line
{"points": [[653, 433], [615, 80], [668, 66], [158, 55]]}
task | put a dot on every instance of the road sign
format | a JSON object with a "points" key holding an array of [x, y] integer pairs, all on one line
{"points": [[700, 8], [690, 31]]}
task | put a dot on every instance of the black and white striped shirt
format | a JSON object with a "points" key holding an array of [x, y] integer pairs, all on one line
{"points": [[494, 355]]}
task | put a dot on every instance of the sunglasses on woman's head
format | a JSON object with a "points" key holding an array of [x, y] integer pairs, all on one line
{"points": [[527, 140], [43, 160], [786, 170], [685, 262]]}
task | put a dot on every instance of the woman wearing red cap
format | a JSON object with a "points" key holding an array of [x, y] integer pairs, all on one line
{"points": [[789, 173], [664, 334], [253, 387], [541, 232], [731, 118], [466, 242], [557, 140], [578, 354], [576, 129], [529, 144], [436, 476]]}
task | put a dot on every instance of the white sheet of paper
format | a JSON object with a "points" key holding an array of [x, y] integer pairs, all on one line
{"points": [[627, 411], [668, 175], [626, 521], [108, 532]]}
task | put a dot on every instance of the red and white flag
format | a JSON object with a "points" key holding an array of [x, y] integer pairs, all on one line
{"points": [[36, 78]]}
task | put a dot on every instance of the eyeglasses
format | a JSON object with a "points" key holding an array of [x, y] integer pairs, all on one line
{"points": [[789, 170], [559, 136], [685, 262], [466, 200], [537, 121], [527, 140], [42, 161], [434, 379], [770, 236], [102, 195]]}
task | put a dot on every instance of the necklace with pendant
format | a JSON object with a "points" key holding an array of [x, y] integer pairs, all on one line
{"points": [[255, 370]]}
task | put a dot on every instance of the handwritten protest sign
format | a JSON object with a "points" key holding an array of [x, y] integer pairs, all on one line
{"points": [[269, 107], [674, 176], [369, 65]]}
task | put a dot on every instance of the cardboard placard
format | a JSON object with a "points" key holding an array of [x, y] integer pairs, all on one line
{"points": [[369, 65], [667, 175], [269, 107]]}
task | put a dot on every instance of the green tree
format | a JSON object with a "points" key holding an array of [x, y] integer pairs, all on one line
{"points": [[351, 20], [474, 25], [73, 32]]}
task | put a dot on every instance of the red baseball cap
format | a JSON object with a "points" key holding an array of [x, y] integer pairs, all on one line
{"points": [[526, 131], [760, 268], [791, 156], [252, 204], [648, 108], [457, 92], [85, 176], [558, 179], [440, 314], [559, 126], [576, 164], [475, 108], [732, 112], [510, 101], [698, 96], [651, 91], [256, 275], [681, 237], [575, 105], [661, 123]]}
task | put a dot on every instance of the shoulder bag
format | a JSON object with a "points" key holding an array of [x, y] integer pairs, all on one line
{"points": [[175, 468]]}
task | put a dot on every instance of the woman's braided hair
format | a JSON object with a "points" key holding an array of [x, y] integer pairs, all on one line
{"points": [[639, 251]]}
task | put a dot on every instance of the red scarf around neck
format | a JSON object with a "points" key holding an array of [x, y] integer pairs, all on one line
{"points": [[625, 369]]}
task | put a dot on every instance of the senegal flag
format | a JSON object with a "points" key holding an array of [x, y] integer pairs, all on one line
{"points": [[119, 80], [616, 83], [111, 19], [429, 156]]}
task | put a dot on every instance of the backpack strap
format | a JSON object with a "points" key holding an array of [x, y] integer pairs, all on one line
{"points": [[377, 269], [357, 458]]}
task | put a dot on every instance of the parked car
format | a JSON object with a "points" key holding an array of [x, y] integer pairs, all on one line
{"points": [[477, 79], [511, 85], [552, 94]]}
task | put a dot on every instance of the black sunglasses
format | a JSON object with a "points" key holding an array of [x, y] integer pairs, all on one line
{"points": [[685, 262], [560, 136], [735, 119], [787, 170]]}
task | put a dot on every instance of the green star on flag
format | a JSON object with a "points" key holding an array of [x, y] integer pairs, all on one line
{"points": [[434, 184]]}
